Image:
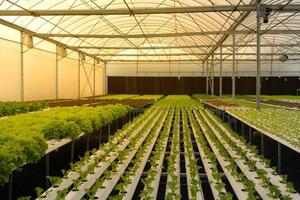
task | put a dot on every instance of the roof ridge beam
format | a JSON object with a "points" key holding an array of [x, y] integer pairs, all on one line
{"points": [[187, 47], [147, 10], [204, 33]]}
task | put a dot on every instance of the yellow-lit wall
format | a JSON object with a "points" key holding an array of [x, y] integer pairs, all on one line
{"points": [[40, 75]]}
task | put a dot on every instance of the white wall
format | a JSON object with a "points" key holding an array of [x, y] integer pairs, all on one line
{"points": [[9, 71], [67, 78], [40, 74]]}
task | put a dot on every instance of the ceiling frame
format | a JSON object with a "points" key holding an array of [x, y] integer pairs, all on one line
{"points": [[144, 11]]}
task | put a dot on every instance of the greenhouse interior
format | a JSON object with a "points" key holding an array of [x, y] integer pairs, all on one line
{"points": [[150, 99]]}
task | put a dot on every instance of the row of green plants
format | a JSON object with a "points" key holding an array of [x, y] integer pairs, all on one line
{"points": [[205, 96], [173, 168], [178, 101], [149, 96], [255, 162], [119, 96], [103, 162], [249, 155], [133, 172], [14, 108], [280, 122], [23, 138], [192, 168], [216, 182], [151, 181], [231, 165], [113, 169]]}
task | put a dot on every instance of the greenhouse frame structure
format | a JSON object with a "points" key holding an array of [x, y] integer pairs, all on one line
{"points": [[203, 33]]}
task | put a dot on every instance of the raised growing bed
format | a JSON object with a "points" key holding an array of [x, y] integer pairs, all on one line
{"points": [[194, 149], [289, 104], [58, 155], [134, 103], [282, 154]]}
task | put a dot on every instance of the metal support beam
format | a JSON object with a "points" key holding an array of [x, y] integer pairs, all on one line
{"points": [[22, 67], [233, 65], [22, 29], [10, 186], [233, 27], [47, 172], [56, 75], [149, 10], [279, 160], [207, 77], [163, 35], [94, 78], [272, 56], [184, 46], [193, 54], [212, 75], [78, 79], [262, 143], [105, 79], [221, 71], [72, 151], [258, 54], [192, 60]]}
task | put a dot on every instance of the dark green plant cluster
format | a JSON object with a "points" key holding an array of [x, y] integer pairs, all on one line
{"points": [[14, 108], [23, 137]]}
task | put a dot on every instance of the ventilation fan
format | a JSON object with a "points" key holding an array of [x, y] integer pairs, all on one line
{"points": [[283, 58]]}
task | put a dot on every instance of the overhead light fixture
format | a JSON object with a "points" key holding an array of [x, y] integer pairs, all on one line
{"points": [[61, 51], [265, 13], [27, 40], [284, 58]]}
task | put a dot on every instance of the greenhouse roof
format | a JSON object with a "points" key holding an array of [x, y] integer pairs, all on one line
{"points": [[161, 30]]}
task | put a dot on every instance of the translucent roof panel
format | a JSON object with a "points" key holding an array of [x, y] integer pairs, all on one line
{"points": [[156, 36]]}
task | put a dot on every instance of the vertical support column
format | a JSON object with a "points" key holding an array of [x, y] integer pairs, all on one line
{"points": [[250, 135], [22, 66], [243, 129], [78, 76], [203, 68], [47, 170], [88, 142], [279, 158], [94, 81], [56, 75], [235, 125], [262, 144], [257, 54], [272, 55], [207, 77], [100, 135], [212, 75], [10, 186], [105, 90], [221, 73], [233, 65], [72, 151]]}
